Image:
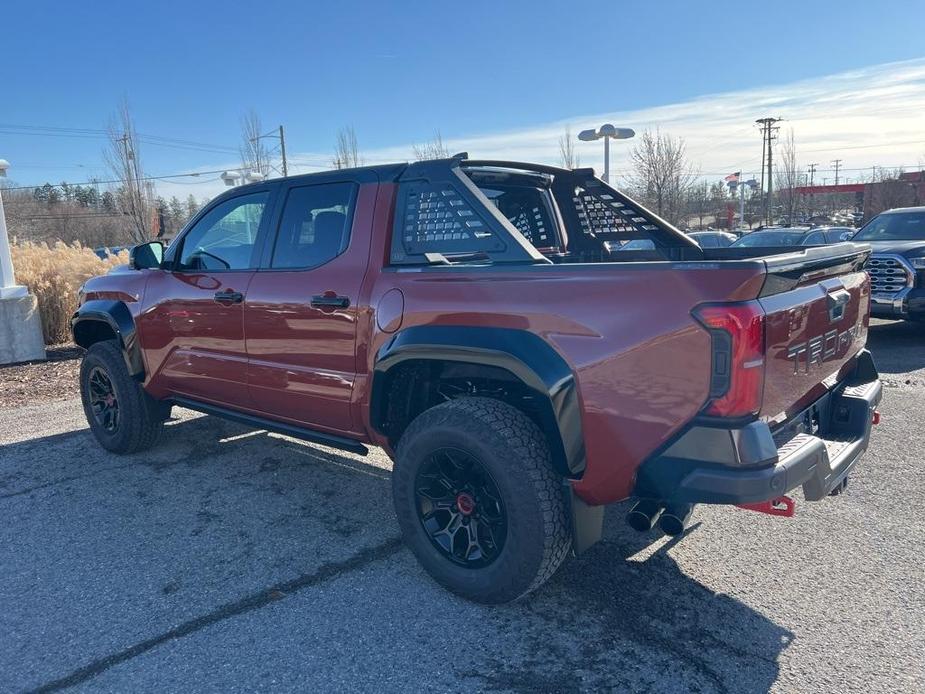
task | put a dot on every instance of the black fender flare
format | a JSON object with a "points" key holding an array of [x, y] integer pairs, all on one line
{"points": [[117, 316], [526, 355]]}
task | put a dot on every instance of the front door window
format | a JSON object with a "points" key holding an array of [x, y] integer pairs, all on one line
{"points": [[224, 238]]}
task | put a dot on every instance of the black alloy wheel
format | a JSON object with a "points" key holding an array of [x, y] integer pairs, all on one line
{"points": [[460, 507], [103, 400]]}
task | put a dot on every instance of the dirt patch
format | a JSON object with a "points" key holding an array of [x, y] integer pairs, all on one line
{"points": [[43, 381]]}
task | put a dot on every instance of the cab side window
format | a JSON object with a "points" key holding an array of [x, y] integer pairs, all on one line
{"points": [[315, 225], [224, 238]]}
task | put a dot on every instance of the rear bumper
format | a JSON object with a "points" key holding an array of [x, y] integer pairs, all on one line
{"points": [[749, 464]]}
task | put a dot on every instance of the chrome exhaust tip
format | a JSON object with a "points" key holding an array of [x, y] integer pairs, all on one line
{"points": [[644, 514], [674, 519]]}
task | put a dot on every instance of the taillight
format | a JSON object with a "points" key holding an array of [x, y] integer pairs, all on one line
{"points": [[737, 375]]}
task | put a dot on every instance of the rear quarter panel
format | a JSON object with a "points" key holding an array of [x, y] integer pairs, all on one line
{"points": [[641, 362]]}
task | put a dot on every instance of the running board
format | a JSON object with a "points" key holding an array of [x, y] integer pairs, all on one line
{"points": [[296, 432]]}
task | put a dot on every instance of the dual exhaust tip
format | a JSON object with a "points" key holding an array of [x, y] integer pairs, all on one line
{"points": [[671, 518]]}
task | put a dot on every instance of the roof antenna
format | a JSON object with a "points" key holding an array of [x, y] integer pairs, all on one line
{"points": [[460, 156]]}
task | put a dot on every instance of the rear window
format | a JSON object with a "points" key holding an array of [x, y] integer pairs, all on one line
{"points": [[527, 209], [315, 226], [758, 239]]}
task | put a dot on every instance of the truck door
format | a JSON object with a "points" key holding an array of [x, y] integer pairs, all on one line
{"points": [[192, 325], [301, 309]]}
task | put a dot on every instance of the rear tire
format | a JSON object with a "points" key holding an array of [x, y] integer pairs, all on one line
{"points": [[498, 466], [122, 416]]}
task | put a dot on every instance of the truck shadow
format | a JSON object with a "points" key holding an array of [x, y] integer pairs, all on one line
{"points": [[224, 516]]}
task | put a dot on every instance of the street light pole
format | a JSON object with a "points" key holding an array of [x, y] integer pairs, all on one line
{"points": [[607, 132], [238, 177]]}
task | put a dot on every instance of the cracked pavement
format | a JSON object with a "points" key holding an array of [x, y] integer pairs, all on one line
{"points": [[232, 560]]}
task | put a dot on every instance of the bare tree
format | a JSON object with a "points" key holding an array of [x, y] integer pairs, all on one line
{"points": [[788, 178], [661, 174], [698, 202], [124, 161], [568, 157], [346, 152], [719, 203], [434, 149], [888, 190], [254, 153]]}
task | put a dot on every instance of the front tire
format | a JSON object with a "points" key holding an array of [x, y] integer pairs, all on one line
{"points": [[477, 500], [121, 415]]}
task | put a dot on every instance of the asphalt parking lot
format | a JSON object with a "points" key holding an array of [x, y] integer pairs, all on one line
{"points": [[232, 560]]}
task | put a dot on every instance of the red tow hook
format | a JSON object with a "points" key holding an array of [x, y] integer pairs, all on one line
{"points": [[781, 506], [875, 418]]}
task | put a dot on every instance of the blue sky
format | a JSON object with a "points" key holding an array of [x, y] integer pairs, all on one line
{"points": [[398, 71]]}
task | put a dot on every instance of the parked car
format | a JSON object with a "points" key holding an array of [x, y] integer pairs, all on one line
{"points": [[637, 245], [897, 266], [106, 251], [466, 317], [786, 236], [837, 233], [713, 239]]}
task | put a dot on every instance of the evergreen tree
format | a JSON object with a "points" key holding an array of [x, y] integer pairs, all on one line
{"points": [[192, 207]]}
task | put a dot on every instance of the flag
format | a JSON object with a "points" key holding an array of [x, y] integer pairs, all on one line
{"points": [[733, 178]]}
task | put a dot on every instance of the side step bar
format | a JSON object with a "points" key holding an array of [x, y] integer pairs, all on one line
{"points": [[271, 425]]}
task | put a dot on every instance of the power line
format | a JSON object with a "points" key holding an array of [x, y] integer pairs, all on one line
{"points": [[95, 133], [119, 180]]}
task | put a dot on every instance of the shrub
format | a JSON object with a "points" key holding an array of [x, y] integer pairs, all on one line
{"points": [[54, 274]]}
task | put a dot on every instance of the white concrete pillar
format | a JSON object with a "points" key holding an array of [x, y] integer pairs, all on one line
{"points": [[8, 287], [20, 323]]}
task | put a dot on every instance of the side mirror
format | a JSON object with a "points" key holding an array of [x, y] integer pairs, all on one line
{"points": [[146, 255]]}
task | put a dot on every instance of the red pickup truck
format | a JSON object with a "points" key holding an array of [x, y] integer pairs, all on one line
{"points": [[477, 321]]}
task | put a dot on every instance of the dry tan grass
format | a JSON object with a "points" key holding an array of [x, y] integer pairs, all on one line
{"points": [[54, 274]]}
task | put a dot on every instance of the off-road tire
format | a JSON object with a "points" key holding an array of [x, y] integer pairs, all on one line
{"points": [[141, 417], [511, 447]]}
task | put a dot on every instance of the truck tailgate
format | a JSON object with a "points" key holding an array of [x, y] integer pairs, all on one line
{"points": [[817, 316]]}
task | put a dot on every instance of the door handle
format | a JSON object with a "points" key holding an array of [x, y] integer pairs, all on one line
{"points": [[837, 301], [229, 297], [330, 301]]}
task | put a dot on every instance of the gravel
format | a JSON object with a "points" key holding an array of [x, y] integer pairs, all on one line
{"points": [[33, 382], [232, 560]]}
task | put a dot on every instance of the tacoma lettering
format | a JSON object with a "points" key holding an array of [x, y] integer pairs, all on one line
{"points": [[821, 348]]}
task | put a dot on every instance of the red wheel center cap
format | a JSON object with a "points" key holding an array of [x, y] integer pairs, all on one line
{"points": [[465, 503], [109, 400]]}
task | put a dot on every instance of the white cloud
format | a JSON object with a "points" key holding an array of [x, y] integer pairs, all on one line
{"points": [[866, 117]]}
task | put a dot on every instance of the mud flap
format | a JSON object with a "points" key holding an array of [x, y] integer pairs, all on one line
{"points": [[587, 522]]}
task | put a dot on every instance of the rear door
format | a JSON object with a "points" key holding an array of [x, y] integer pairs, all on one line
{"points": [[301, 310], [192, 325]]}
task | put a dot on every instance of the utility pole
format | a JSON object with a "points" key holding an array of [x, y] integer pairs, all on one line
{"points": [[837, 164], [764, 150], [812, 174], [282, 149], [769, 131]]}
